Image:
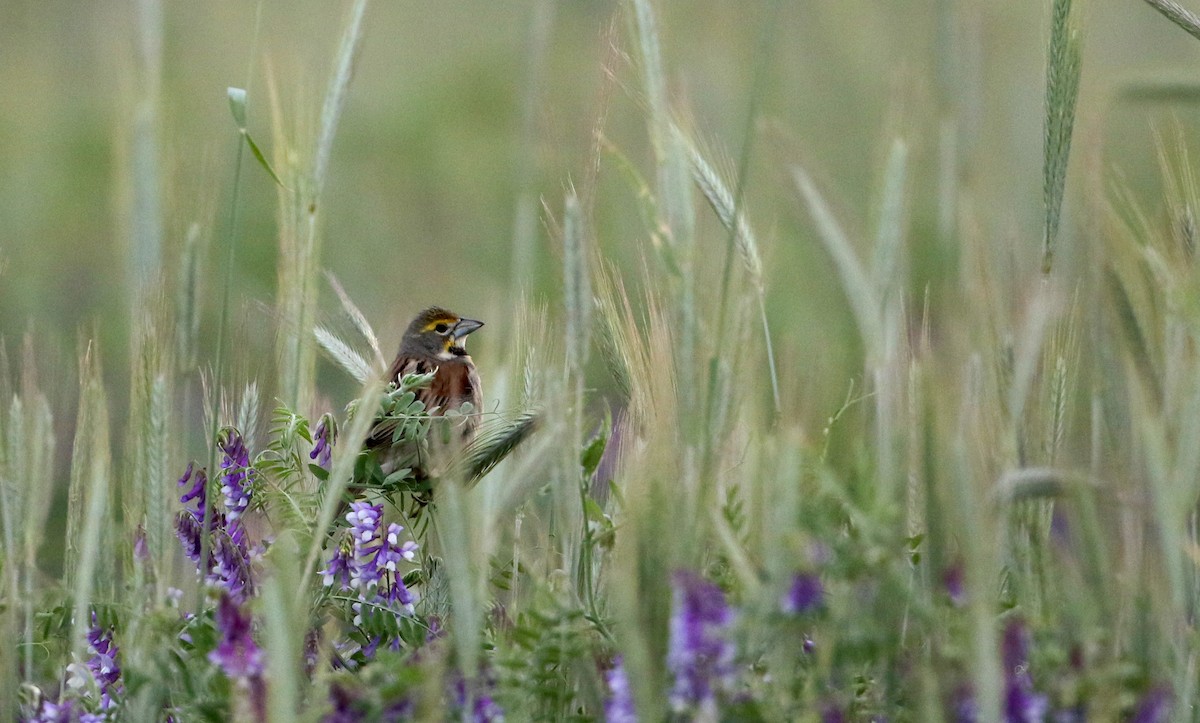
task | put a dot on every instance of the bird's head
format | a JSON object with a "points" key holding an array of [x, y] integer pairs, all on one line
{"points": [[439, 334]]}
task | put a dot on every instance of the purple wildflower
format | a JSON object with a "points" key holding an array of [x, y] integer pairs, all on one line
{"points": [[237, 654], [486, 710], [347, 708], [483, 708], [323, 438], [197, 491], [236, 474], [228, 563], [369, 563], [364, 522], [954, 578], [963, 707], [619, 707], [1154, 707], [141, 552], [51, 712], [103, 664], [338, 569], [1022, 704], [230, 566], [805, 594], [700, 653], [187, 528], [833, 713], [809, 645]]}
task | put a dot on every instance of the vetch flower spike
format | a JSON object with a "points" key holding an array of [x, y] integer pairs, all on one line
{"points": [[700, 653]]}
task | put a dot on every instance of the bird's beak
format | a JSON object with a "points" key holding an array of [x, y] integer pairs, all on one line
{"points": [[465, 326]]}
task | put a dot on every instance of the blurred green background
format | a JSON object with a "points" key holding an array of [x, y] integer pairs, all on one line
{"points": [[464, 117]]}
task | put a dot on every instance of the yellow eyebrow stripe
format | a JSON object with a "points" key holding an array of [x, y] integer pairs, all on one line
{"points": [[443, 320]]}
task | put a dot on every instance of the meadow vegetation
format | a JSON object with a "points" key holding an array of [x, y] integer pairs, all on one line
{"points": [[972, 497]]}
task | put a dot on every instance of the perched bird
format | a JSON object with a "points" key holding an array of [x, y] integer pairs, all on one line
{"points": [[435, 341]]}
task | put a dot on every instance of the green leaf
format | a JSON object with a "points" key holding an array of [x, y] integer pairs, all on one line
{"points": [[398, 476], [592, 510], [318, 471], [592, 454], [262, 160]]}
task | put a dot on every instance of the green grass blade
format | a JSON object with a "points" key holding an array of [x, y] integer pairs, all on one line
{"points": [[1064, 64], [855, 281], [1179, 15]]}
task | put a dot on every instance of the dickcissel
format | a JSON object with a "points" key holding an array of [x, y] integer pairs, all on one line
{"points": [[435, 342]]}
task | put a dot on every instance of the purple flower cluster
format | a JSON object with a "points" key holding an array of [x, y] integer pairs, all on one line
{"points": [[619, 707], [93, 690], [324, 437], [228, 564], [805, 594], [483, 709], [369, 562], [1022, 704], [700, 653], [237, 654], [1154, 707], [236, 474], [64, 711], [103, 664]]}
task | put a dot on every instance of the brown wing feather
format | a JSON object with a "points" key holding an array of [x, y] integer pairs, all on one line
{"points": [[454, 382]]}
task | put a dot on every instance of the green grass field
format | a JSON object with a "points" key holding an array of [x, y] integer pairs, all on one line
{"points": [[842, 361]]}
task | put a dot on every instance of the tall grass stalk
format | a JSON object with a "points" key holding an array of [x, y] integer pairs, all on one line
{"points": [[676, 213], [981, 546], [146, 254], [1064, 64], [889, 276], [284, 639], [524, 232], [28, 475], [147, 500], [299, 227], [725, 205], [1179, 15], [237, 101], [578, 302], [91, 474], [856, 283]]}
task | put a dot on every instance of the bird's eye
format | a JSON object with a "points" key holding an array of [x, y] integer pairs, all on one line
{"points": [[441, 328]]}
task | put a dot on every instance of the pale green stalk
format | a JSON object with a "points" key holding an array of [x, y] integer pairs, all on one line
{"points": [[1179, 15], [30, 465], [457, 526], [214, 400], [301, 243], [889, 278], [675, 209], [147, 231], [283, 637], [524, 233], [149, 443], [91, 469], [979, 547], [187, 303], [725, 206], [1063, 68], [10, 560], [859, 290]]}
